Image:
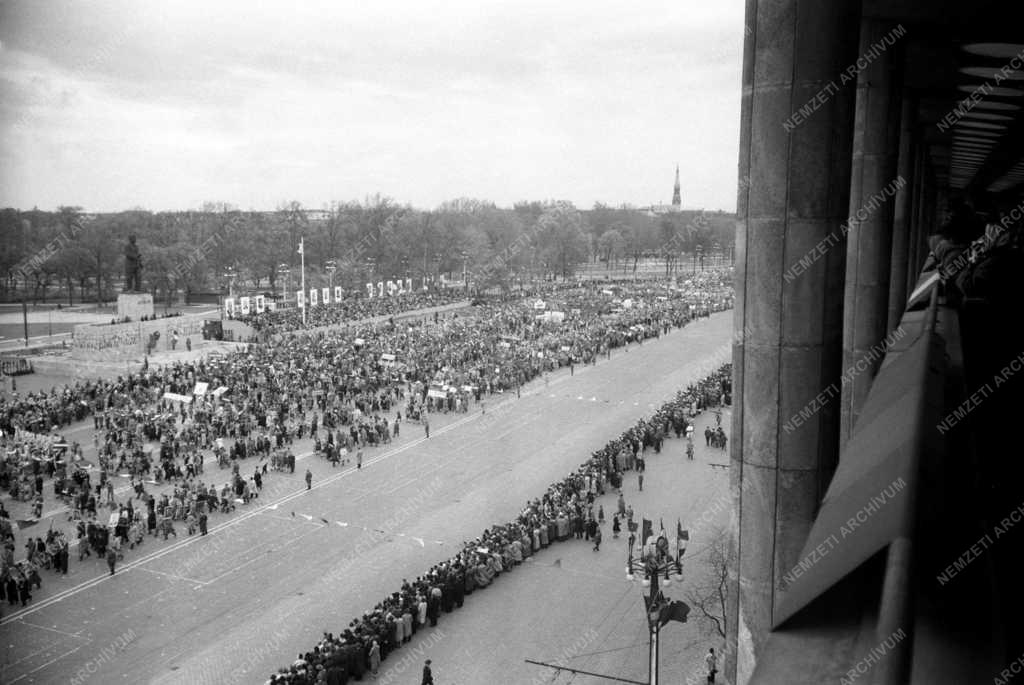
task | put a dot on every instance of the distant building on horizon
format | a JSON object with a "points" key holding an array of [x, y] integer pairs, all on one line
{"points": [[677, 202]]}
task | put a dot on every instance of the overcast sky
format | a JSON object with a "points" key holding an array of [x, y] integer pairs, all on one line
{"points": [[165, 105]]}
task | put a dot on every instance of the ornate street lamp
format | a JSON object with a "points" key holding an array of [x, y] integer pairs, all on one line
{"points": [[655, 559]]}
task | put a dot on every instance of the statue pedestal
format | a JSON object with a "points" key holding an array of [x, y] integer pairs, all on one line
{"points": [[134, 306]]}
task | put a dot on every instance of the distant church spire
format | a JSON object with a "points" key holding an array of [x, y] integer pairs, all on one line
{"points": [[677, 200]]}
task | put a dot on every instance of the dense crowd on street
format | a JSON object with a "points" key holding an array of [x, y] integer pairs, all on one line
{"points": [[347, 310], [345, 389], [565, 511]]}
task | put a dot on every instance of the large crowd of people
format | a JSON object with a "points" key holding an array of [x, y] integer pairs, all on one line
{"points": [[565, 511], [347, 310], [347, 389]]}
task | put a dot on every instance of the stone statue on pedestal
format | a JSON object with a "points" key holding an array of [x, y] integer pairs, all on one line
{"points": [[132, 266]]}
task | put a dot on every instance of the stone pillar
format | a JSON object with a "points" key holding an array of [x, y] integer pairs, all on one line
{"points": [[796, 135], [869, 243], [914, 259], [902, 214]]}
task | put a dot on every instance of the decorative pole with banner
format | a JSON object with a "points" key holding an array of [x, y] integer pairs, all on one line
{"points": [[655, 558], [302, 252]]}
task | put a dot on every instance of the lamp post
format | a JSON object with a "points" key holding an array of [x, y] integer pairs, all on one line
{"points": [[700, 256], [465, 283], [229, 276], [655, 559], [331, 266], [370, 262], [284, 271], [170, 291]]}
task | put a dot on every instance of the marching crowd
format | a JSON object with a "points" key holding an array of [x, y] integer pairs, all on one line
{"points": [[566, 510], [349, 309]]}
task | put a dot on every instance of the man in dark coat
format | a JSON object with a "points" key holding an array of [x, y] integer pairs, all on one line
{"points": [[433, 605], [428, 676], [458, 588], [336, 673]]}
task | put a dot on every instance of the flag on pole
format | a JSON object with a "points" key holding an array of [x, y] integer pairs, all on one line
{"points": [[680, 533], [301, 251], [647, 531], [673, 611]]}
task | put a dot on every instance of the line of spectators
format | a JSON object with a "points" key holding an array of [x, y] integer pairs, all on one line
{"points": [[566, 510]]}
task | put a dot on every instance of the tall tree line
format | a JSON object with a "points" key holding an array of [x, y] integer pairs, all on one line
{"points": [[78, 256]]}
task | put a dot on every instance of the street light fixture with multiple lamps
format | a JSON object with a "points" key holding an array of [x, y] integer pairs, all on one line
{"points": [[655, 559]]}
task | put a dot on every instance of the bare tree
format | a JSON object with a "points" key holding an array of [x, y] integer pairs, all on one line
{"points": [[709, 594]]}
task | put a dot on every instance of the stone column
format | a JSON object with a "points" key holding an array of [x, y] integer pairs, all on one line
{"points": [[902, 214], [796, 136], [914, 260], [869, 243]]}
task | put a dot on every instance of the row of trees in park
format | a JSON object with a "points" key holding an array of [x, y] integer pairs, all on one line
{"points": [[81, 255]]}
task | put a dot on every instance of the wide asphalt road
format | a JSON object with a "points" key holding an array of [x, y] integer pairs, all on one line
{"points": [[235, 605]]}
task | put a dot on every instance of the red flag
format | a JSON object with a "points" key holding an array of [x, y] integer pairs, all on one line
{"points": [[680, 533]]}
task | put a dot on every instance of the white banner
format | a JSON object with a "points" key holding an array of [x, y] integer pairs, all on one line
{"points": [[392, 288], [408, 285], [325, 295], [261, 304], [380, 288], [313, 297], [244, 302], [369, 289], [229, 306], [300, 299], [200, 389], [337, 293]]}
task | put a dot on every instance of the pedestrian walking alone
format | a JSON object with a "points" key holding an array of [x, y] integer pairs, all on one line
{"points": [[202, 523], [640, 479], [111, 558], [426, 427], [711, 662], [309, 479], [597, 540], [359, 459], [428, 675]]}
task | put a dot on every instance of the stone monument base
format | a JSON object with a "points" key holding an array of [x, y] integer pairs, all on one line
{"points": [[134, 306]]}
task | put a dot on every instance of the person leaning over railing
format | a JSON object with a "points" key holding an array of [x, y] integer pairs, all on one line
{"points": [[994, 263], [952, 239]]}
